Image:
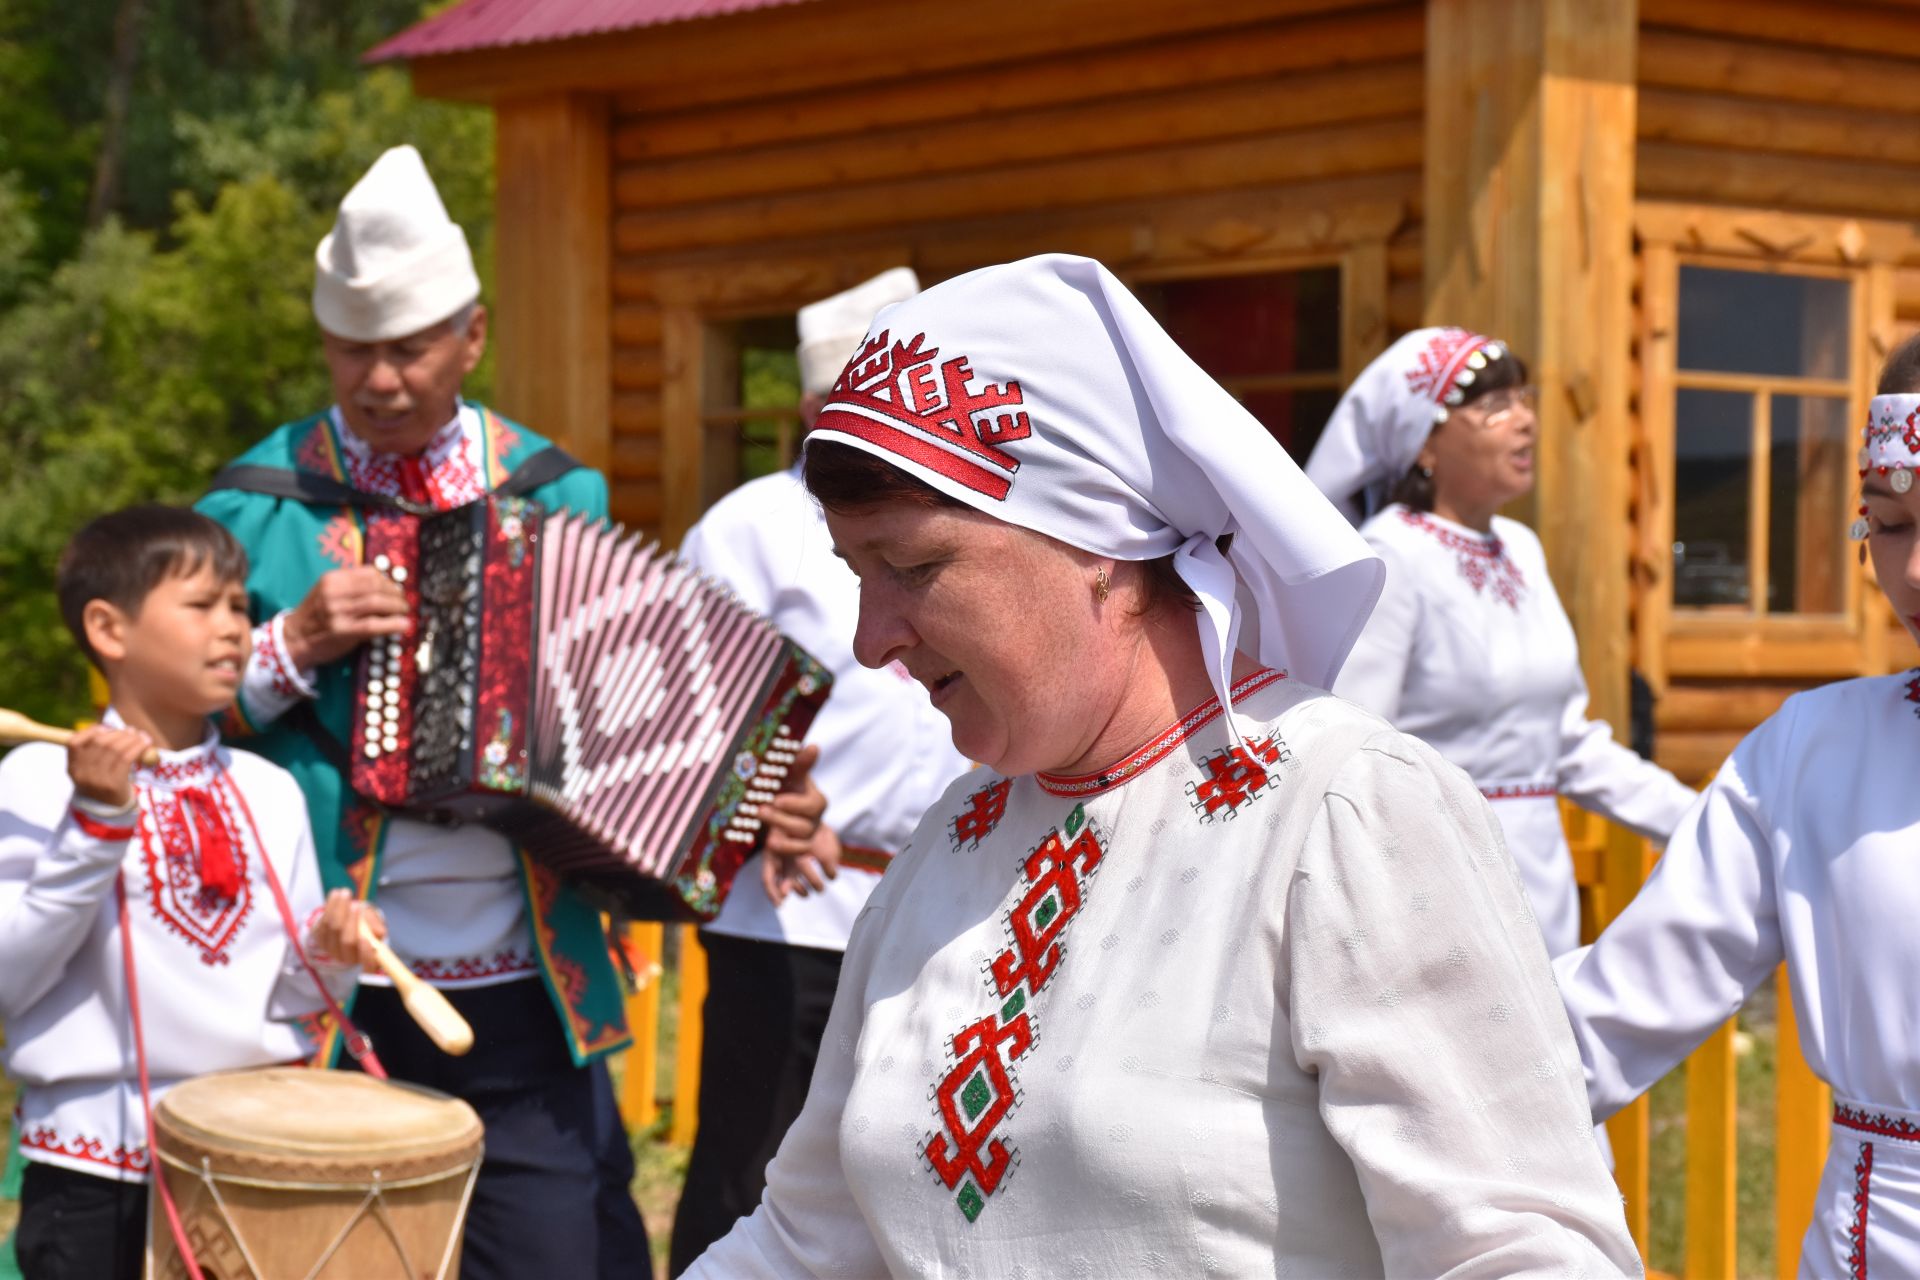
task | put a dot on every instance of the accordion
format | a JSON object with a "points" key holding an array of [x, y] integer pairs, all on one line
{"points": [[603, 704]]}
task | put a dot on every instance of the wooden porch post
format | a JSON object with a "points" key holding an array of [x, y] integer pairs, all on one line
{"points": [[552, 266], [1529, 216]]}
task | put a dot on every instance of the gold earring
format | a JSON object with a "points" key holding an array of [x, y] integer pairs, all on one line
{"points": [[1101, 586]]}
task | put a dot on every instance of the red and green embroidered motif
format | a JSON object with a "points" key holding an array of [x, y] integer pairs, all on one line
{"points": [[978, 1093], [1236, 775], [985, 808]]}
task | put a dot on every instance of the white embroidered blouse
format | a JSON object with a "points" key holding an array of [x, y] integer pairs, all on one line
{"points": [[1269, 1011], [1469, 650]]}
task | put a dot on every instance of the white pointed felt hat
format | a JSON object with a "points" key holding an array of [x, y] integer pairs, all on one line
{"points": [[832, 329], [394, 263]]}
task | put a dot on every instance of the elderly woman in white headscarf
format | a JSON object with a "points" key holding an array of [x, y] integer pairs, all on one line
{"points": [[1205, 972], [1469, 649]]}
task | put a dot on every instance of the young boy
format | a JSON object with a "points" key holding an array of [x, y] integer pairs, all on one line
{"points": [[92, 841], [1806, 848]]}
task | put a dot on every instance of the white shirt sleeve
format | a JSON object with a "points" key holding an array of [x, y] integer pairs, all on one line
{"points": [[1701, 935], [808, 1223], [1600, 775], [1419, 994], [271, 684], [1375, 674], [55, 874]]}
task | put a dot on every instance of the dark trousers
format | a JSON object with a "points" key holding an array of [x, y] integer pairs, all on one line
{"points": [[767, 1007], [75, 1226], [553, 1197]]}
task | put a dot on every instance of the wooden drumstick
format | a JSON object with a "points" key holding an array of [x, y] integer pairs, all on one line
{"points": [[439, 1019], [15, 727]]}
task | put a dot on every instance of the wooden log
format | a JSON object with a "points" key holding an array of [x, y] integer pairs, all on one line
{"points": [[636, 457], [636, 368], [1323, 153], [1266, 52], [1674, 172], [787, 49], [636, 413], [1822, 239], [1241, 109], [1695, 757], [1406, 305], [636, 324], [636, 503], [632, 282], [551, 269], [1869, 28], [1406, 256], [1771, 649], [1671, 115], [1885, 85], [1692, 708]]}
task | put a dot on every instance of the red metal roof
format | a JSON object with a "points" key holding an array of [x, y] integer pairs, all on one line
{"points": [[494, 24]]}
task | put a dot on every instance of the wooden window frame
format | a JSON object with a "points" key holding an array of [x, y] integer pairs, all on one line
{"points": [[1684, 643]]}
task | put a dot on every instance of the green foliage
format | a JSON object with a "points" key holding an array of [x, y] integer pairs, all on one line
{"points": [[138, 357]]}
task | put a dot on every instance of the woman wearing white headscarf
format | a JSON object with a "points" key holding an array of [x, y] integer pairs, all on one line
{"points": [[1469, 649], [1205, 971]]}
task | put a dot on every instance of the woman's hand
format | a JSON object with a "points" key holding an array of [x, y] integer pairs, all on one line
{"points": [[101, 762], [802, 853], [335, 936]]}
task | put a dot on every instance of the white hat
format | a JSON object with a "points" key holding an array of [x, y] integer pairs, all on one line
{"points": [[1043, 394], [831, 329], [394, 263], [1380, 425]]}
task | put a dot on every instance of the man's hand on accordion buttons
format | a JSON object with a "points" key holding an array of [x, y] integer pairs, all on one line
{"points": [[802, 853], [346, 608]]}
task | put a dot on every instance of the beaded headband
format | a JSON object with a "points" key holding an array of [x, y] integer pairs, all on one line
{"points": [[1890, 445]]}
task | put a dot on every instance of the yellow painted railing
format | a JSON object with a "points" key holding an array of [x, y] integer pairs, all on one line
{"points": [[1611, 864]]}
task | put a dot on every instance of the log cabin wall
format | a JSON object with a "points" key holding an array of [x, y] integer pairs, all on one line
{"points": [[1165, 140], [1774, 136]]}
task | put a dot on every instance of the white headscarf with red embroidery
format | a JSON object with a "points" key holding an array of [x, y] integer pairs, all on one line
{"points": [[1376, 431], [1043, 394], [1889, 444]]}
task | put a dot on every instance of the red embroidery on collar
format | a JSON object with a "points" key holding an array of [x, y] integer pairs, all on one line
{"points": [[902, 397], [171, 856], [1483, 562], [1158, 749], [444, 474]]}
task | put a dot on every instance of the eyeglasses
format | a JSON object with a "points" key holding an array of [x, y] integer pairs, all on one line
{"points": [[1497, 406]]}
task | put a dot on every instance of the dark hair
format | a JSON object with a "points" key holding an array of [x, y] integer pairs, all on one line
{"points": [[1900, 375], [845, 480], [122, 556], [1415, 491]]}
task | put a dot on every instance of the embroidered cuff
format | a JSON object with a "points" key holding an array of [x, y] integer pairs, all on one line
{"points": [[104, 822], [273, 683]]}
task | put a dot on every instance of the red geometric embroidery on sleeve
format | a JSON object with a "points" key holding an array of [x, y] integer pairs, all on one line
{"points": [[978, 1093], [276, 663], [1857, 1229], [1236, 775], [101, 830], [985, 808]]}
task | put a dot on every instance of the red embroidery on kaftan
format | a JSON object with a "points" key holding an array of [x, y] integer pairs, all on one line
{"points": [[977, 1094], [340, 540], [1483, 562], [92, 1150], [1158, 749], [171, 855], [1057, 878], [468, 968], [902, 397], [985, 808], [1236, 775], [1857, 1229]]}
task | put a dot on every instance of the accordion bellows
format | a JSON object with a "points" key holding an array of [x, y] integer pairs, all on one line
{"points": [[616, 713]]}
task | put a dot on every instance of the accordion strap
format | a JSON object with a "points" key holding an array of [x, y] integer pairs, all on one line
{"points": [[542, 467]]}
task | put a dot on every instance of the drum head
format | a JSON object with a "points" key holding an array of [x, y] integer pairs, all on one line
{"points": [[328, 1116]]}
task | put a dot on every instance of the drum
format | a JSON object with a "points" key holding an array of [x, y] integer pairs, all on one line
{"points": [[331, 1175]]}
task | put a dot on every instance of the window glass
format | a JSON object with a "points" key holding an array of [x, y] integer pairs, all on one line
{"points": [[750, 418], [1272, 339], [1809, 484], [1760, 323], [1712, 438]]}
